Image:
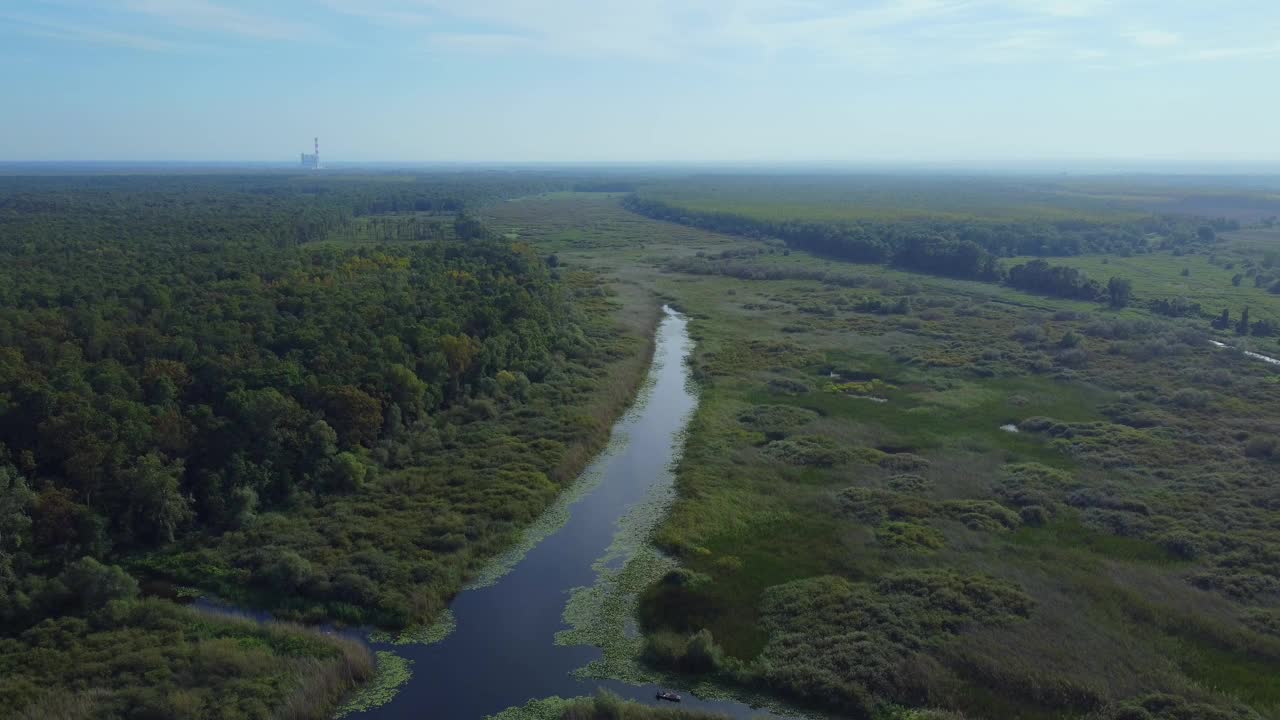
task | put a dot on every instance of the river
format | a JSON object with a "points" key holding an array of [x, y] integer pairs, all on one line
{"points": [[1247, 353], [502, 652]]}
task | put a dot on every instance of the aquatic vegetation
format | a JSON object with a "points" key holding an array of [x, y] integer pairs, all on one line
{"points": [[431, 634], [393, 672], [552, 708], [602, 614]]}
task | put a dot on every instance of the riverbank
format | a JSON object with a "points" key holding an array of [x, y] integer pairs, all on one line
{"points": [[502, 650]]}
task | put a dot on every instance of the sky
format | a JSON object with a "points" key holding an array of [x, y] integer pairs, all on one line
{"points": [[985, 83]]}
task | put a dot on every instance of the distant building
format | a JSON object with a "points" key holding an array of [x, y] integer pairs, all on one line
{"points": [[312, 162]]}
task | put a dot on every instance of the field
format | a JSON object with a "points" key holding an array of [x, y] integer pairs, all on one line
{"points": [[905, 491], [1208, 278]]}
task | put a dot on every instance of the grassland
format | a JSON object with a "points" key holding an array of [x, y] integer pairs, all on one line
{"points": [[858, 528], [1208, 277], [832, 198]]}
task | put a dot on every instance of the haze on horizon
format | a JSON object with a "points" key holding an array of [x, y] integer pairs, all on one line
{"points": [[978, 82]]}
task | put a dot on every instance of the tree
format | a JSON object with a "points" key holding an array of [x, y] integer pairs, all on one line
{"points": [[156, 504], [1119, 290], [63, 529], [92, 585], [468, 228], [1206, 234], [1242, 326], [1224, 320], [1237, 279], [15, 523], [460, 351], [347, 473], [355, 414]]}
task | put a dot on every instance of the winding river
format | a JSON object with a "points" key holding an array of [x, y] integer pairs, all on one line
{"points": [[502, 652]]}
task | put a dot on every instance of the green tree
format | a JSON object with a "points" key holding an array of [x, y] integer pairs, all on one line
{"points": [[1119, 291], [1242, 325], [347, 472], [157, 505], [92, 585], [356, 415], [15, 521]]}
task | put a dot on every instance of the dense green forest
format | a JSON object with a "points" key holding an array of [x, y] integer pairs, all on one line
{"points": [[962, 248], [202, 381]]}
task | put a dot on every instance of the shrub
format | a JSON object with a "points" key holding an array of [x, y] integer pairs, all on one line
{"points": [[1029, 333], [909, 483], [1181, 545], [787, 386], [982, 514], [818, 452], [1191, 398], [875, 506], [910, 536], [697, 653], [904, 463], [1034, 515], [1260, 447], [775, 421], [838, 643]]}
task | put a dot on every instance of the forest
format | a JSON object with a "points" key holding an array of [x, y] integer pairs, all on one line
{"points": [[204, 382]]}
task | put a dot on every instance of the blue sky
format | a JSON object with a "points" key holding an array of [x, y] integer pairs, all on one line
{"points": [[975, 82]]}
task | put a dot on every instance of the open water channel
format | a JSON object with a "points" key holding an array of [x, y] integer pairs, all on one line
{"points": [[502, 652]]}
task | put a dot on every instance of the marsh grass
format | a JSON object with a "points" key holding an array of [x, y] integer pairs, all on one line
{"points": [[1141, 534]]}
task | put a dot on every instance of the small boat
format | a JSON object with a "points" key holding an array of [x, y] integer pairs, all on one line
{"points": [[668, 695]]}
